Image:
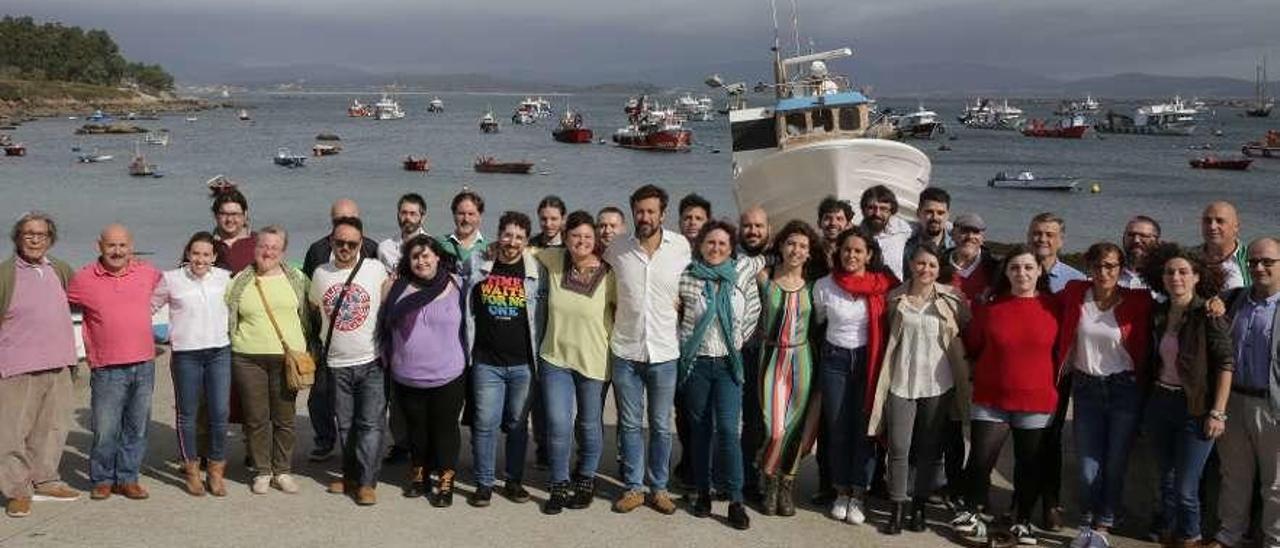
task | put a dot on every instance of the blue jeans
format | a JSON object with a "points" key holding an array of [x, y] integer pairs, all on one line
{"points": [[1182, 451], [565, 391], [359, 404], [202, 373], [121, 408], [501, 398], [632, 381], [320, 409], [712, 399], [1106, 419], [849, 452]]}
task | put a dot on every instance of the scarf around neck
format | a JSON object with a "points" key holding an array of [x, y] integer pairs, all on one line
{"points": [[396, 309], [718, 284], [874, 287]]}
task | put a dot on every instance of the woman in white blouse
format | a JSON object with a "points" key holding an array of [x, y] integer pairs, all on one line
{"points": [[201, 356], [924, 382]]}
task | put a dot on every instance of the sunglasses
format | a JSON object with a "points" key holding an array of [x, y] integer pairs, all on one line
{"points": [[346, 244]]}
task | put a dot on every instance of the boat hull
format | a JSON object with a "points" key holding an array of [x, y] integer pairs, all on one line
{"points": [[1072, 132], [927, 130], [416, 164], [1260, 151], [521, 168], [15, 151], [789, 184], [576, 136], [1176, 131], [667, 140], [1229, 165], [1062, 185], [489, 128]]}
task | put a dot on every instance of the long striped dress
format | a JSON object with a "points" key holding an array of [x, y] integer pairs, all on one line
{"points": [[786, 378]]}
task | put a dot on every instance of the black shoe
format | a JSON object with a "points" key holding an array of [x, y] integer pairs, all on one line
{"points": [[738, 517], [515, 492], [701, 505], [481, 497], [559, 498], [1053, 519], [823, 498], [320, 453], [917, 522], [396, 455], [443, 496], [584, 491], [894, 526]]}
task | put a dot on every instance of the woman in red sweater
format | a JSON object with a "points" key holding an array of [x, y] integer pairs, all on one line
{"points": [[1011, 344]]}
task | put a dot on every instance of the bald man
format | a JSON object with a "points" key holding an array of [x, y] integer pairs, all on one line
{"points": [[1220, 228], [320, 401], [114, 295], [753, 231]]}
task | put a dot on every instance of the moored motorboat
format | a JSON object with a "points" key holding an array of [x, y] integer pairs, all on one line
{"points": [[157, 138], [489, 164], [138, 167], [284, 157], [652, 128], [571, 129], [328, 136], [1071, 128], [919, 124], [1268, 147], [489, 123], [321, 149], [358, 109], [221, 183], [1026, 180], [1214, 162], [95, 158], [243, 115], [1172, 118], [436, 105], [15, 149], [387, 108], [416, 163]]}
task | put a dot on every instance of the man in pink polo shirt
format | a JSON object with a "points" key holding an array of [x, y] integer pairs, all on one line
{"points": [[36, 346], [115, 295]]}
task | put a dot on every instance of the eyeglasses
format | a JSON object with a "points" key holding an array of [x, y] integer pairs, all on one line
{"points": [[1141, 235], [35, 236], [1266, 262], [346, 244], [230, 213]]}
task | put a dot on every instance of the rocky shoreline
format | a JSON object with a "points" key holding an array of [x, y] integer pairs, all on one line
{"points": [[24, 101]]}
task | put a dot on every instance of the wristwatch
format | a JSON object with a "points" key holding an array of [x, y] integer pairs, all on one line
{"points": [[1218, 415]]}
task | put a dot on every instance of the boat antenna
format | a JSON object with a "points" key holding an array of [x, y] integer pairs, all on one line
{"points": [[779, 73], [795, 26]]}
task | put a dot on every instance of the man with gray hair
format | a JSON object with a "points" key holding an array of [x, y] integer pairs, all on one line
{"points": [[37, 346]]}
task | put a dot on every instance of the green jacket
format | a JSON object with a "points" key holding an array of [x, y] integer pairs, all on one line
{"points": [[8, 272], [244, 281]]}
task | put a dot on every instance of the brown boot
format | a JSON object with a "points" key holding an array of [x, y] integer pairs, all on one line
{"points": [[417, 486], [191, 476], [217, 481], [786, 496], [770, 495]]}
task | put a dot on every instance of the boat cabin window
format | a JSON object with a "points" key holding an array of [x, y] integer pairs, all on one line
{"points": [[825, 119], [849, 119], [797, 124], [754, 134]]}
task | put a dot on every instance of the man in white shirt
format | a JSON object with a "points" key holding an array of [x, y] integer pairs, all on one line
{"points": [[645, 346], [346, 293], [880, 220], [1220, 228], [411, 214]]}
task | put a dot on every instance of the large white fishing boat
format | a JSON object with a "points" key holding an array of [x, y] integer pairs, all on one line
{"points": [[919, 124], [1172, 118], [988, 114], [700, 109], [815, 140], [387, 108]]}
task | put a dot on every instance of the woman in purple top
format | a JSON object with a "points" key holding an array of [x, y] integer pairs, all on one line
{"points": [[421, 332]]}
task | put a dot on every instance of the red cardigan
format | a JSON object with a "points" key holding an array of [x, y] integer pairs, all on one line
{"points": [[1011, 343], [1133, 314]]}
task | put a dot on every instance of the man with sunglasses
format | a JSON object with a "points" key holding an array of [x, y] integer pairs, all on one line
{"points": [[319, 404], [346, 293], [1250, 445]]}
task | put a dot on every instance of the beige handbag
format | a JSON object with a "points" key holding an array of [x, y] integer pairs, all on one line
{"points": [[299, 366]]}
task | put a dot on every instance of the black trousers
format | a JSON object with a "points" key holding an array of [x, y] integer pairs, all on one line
{"points": [[431, 415], [988, 439]]}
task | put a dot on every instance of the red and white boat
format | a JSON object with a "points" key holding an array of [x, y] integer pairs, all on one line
{"points": [[417, 163], [571, 129], [16, 149], [359, 110], [1214, 162], [1073, 128], [652, 129]]}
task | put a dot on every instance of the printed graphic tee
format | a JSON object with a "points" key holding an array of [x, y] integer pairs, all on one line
{"points": [[502, 317], [354, 341]]}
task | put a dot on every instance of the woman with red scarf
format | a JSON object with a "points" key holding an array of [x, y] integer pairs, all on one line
{"points": [[851, 301]]}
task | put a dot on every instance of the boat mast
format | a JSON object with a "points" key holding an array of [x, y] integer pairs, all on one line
{"points": [[779, 73]]}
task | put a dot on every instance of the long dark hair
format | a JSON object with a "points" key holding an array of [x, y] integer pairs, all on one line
{"points": [[1002, 286], [876, 261], [1212, 277], [202, 236], [405, 267], [816, 267]]}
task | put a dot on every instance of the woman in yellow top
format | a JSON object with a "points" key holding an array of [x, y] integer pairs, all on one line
{"points": [[257, 355], [579, 295]]}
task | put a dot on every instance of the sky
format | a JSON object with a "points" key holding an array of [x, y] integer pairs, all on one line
{"points": [[609, 40]]}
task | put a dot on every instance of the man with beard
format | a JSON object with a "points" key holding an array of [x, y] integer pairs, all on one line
{"points": [[753, 240], [879, 218], [695, 211], [1141, 234], [645, 346], [411, 214], [611, 222], [321, 250], [931, 224], [1220, 228], [834, 215]]}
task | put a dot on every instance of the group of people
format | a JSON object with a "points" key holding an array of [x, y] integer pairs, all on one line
{"points": [[886, 344]]}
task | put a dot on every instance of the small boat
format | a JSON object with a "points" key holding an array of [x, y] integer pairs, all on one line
{"points": [[523, 117], [921, 124], [99, 117], [243, 115], [571, 130], [326, 136], [193, 119], [15, 149], [288, 159], [417, 163], [359, 110], [1269, 147], [489, 123], [325, 150], [436, 105], [221, 183], [157, 138], [138, 167], [95, 158], [1073, 128], [1028, 181], [488, 164], [1214, 162], [387, 108]]}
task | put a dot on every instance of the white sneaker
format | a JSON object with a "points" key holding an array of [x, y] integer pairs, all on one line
{"points": [[1023, 534], [284, 482], [260, 485], [965, 522], [1100, 540], [854, 515], [840, 508], [1084, 539]]}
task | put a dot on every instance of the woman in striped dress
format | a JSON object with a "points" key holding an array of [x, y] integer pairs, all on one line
{"points": [[786, 367]]}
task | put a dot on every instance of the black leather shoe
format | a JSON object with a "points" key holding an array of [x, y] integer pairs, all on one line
{"points": [[515, 492], [584, 491], [558, 500], [701, 505], [894, 526], [738, 517], [917, 523], [481, 497]]}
